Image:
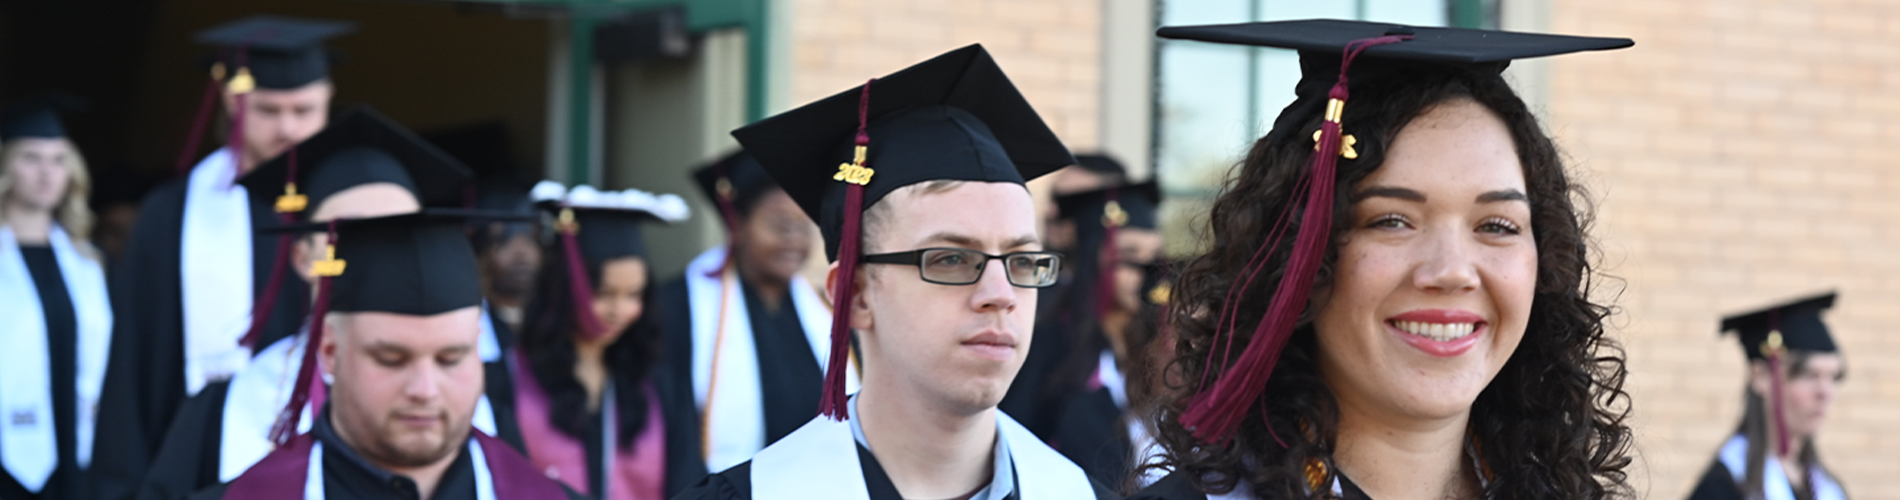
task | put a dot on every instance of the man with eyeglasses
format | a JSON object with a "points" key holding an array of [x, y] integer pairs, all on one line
{"points": [[916, 182]]}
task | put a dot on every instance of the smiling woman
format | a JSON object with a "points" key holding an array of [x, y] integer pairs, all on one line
{"points": [[1449, 348]]}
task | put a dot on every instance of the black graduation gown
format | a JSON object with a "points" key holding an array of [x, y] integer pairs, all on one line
{"points": [[1717, 484], [62, 340], [683, 463], [1093, 434], [1038, 394], [347, 475], [736, 483], [188, 460], [1176, 487], [145, 377], [789, 377]]}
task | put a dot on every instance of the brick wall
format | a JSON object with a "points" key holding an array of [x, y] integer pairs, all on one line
{"points": [[1743, 152], [1051, 49]]}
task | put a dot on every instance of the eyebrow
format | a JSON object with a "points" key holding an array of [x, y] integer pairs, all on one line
{"points": [[972, 242], [1500, 195]]}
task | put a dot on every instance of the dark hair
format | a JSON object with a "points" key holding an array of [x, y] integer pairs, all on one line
{"points": [[1755, 427], [1550, 425], [548, 345]]}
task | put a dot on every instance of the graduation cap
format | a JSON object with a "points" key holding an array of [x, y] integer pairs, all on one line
{"points": [[38, 116], [1335, 57], [276, 52], [1101, 164], [260, 52], [597, 226], [414, 264], [953, 117], [361, 147], [1099, 217], [1768, 334], [733, 183]]}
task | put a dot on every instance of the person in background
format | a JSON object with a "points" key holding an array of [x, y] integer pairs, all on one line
{"points": [[362, 166], [583, 383], [116, 195], [510, 256], [176, 335], [745, 332], [55, 317], [1793, 370]]}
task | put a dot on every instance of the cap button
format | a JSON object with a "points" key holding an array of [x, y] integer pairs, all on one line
{"points": [[1400, 30]]}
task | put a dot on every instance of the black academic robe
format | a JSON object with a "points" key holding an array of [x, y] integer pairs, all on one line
{"points": [[145, 377], [1043, 385], [188, 460], [789, 377], [684, 466], [1717, 484], [1093, 434], [62, 340], [736, 483], [1177, 487], [347, 475]]}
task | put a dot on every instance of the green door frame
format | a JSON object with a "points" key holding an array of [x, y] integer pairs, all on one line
{"points": [[584, 16]]}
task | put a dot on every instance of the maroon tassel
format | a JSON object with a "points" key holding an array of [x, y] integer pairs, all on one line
{"points": [[261, 310], [1111, 255], [578, 286], [844, 287], [729, 213], [1774, 405], [198, 122], [1217, 411], [307, 381]]}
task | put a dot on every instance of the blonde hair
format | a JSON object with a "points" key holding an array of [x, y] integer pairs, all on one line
{"points": [[72, 214]]}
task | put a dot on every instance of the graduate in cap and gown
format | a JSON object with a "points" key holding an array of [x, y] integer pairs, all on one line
{"points": [[583, 381], [1397, 296], [916, 182], [55, 316], [1793, 369], [175, 335], [395, 330], [364, 165], [746, 333], [509, 253]]}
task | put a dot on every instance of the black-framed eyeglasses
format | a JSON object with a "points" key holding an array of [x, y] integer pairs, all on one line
{"points": [[962, 266]]}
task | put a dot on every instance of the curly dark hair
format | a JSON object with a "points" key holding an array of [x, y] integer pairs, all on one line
{"points": [[547, 343], [1550, 425]]}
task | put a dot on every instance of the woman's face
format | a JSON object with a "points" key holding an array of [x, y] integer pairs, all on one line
{"points": [[1135, 248], [1434, 282], [39, 172], [617, 297], [776, 237], [1806, 393]]}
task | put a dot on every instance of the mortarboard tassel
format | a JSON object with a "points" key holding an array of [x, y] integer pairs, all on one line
{"points": [[308, 388], [1112, 219], [1217, 411], [1772, 349], [844, 287], [205, 104], [578, 287], [728, 212], [240, 88], [287, 207]]}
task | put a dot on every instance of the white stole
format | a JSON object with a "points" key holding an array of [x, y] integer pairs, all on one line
{"points": [[28, 447], [819, 460], [1774, 480], [484, 480], [215, 271], [738, 419], [259, 393], [488, 345]]}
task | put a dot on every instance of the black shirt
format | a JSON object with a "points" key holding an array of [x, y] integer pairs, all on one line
{"points": [[62, 337]]}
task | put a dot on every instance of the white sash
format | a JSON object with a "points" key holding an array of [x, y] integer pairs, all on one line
{"points": [[740, 415], [488, 345], [484, 480], [1774, 480], [259, 392], [27, 443], [215, 271], [820, 461]]}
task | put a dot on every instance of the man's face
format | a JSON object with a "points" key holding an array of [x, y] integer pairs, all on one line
{"points": [[775, 238], [957, 347], [276, 119], [405, 386]]}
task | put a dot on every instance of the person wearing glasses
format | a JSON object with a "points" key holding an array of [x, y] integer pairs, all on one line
{"points": [[916, 182]]}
